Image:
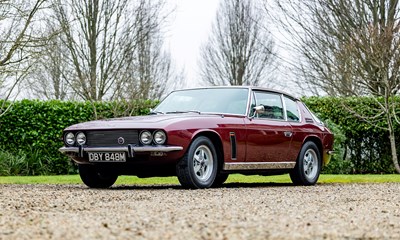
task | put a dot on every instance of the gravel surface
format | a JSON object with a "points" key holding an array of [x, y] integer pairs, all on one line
{"points": [[236, 211]]}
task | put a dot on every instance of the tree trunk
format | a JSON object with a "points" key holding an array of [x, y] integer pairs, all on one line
{"points": [[393, 146]]}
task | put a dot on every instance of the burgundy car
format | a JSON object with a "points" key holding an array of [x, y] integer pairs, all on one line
{"points": [[201, 136]]}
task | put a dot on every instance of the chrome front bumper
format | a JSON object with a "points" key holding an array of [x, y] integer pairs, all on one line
{"points": [[130, 149]]}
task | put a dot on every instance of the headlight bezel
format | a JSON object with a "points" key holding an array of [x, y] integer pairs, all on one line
{"points": [[78, 136], [159, 134], [149, 137], [68, 138]]}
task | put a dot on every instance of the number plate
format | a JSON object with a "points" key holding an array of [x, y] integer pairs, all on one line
{"points": [[107, 157]]}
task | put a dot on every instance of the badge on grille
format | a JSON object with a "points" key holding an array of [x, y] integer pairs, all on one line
{"points": [[121, 140]]}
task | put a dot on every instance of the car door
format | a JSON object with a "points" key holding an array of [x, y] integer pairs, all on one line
{"points": [[293, 114], [269, 135]]}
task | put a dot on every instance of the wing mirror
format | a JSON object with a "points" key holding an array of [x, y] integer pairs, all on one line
{"points": [[257, 110]]}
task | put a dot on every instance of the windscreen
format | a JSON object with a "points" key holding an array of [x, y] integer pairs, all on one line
{"points": [[212, 100]]}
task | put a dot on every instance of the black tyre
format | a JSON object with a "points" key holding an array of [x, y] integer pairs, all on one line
{"points": [[198, 168], [220, 179], [308, 165], [93, 178]]}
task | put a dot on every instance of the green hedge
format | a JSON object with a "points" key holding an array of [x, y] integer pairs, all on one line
{"points": [[362, 147], [32, 131]]}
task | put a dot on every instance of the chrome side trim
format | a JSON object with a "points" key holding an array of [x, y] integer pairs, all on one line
{"points": [[122, 149], [259, 165]]}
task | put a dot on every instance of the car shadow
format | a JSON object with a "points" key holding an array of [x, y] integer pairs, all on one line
{"points": [[255, 185], [179, 187]]}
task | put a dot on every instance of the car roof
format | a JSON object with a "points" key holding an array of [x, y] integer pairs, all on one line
{"points": [[245, 87]]}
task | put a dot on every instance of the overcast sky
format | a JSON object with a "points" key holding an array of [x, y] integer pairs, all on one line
{"points": [[190, 27]]}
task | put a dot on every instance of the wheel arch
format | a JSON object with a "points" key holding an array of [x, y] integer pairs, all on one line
{"points": [[216, 140], [317, 141]]}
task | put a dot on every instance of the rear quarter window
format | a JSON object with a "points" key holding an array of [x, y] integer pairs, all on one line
{"points": [[292, 110]]}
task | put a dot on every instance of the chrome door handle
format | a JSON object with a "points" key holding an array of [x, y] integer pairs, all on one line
{"points": [[288, 134]]}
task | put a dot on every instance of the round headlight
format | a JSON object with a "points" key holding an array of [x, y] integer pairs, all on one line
{"points": [[159, 137], [81, 138], [145, 137], [70, 139]]}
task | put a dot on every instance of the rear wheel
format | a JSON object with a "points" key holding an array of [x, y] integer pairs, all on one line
{"points": [[308, 165], [93, 178], [198, 168]]}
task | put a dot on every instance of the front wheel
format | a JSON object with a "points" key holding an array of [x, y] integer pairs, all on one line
{"points": [[308, 165], [220, 179], [198, 168], [93, 178]]}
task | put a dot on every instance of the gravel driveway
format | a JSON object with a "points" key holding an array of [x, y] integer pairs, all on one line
{"points": [[237, 211]]}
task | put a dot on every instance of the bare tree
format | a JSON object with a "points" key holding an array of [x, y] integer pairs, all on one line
{"points": [[350, 48], [239, 50], [98, 35], [152, 70], [337, 42], [51, 74], [18, 38], [114, 49]]}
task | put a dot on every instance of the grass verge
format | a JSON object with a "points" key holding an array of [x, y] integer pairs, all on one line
{"points": [[234, 178]]}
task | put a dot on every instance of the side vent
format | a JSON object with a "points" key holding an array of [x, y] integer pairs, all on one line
{"points": [[232, 136]]}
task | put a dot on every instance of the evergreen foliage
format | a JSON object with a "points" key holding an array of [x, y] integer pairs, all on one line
{"points": [[361, 145], [31, 132]]}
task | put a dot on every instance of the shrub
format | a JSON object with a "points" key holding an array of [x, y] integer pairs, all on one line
{"points": [[30, 133], [366, 145], [23, 163], [31, 130], [339, 163]]}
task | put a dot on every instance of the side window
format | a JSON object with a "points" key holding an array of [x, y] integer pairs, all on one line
{"points": [[292, 110], [272, 104]]}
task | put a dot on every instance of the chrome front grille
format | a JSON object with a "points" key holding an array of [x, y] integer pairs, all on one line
{"points": [[108, 138]]}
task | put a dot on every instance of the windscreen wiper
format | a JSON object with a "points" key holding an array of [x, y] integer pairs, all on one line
{"points": [[189, 111], [155, 112]]}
